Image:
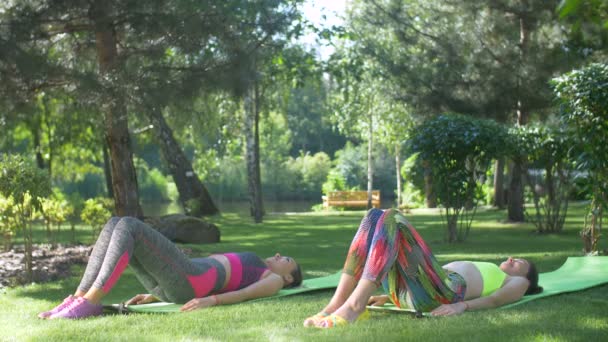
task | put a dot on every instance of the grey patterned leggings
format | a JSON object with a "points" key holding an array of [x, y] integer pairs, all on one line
{"points": [[158, 264]]}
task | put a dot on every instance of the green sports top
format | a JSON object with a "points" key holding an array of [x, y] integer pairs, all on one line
{"points": [[492, 276]]}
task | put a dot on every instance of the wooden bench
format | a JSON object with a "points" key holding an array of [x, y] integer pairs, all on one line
{"points": [[350, 199]]}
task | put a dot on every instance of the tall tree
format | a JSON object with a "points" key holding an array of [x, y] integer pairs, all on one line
{"points": [[482, 58], [587, 22], [194, 196], [139, 45], [252, 149], [257, 71], [124, 179], [356, 101]]}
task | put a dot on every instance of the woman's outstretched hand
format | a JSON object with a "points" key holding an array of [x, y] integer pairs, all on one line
{"points": [[449, 309], [199, 303], [377, 300], [142, 299]]}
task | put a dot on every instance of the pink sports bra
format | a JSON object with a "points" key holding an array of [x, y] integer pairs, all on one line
{"points": [[245, 269]]}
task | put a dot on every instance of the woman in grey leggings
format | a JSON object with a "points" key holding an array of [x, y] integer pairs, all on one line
{"points": [[169, 275]]}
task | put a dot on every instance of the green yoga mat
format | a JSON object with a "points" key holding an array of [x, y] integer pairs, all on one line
{"points": [[308, 285], [577, 273]]}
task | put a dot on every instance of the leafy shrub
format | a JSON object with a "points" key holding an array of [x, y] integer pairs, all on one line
{"points": [[411, 197], [152, 183], [549, 177], [412, 172], [96, 213], [26, 185], [459, 150], [55, 212], [76, 204], [308, 173], [231, 181], [335, 182], [8, 221], [351, 162], [583, 95]]}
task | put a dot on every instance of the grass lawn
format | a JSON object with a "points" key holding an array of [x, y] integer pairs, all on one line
{"points": [[319, 242]]}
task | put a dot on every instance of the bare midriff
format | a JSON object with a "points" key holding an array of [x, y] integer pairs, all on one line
{"points": [[224, 261], [471, 276]]}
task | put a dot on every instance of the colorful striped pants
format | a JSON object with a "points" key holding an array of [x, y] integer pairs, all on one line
{"points": [[389, 251]]}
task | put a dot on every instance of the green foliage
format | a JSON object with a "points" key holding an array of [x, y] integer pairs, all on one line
{"points": [[335, 182], [587, 22], [192, 206], [350, 163], [459, 150], [308, 120], [411, 196], [465, 56], [412, 173], [8, 221], [550, 171], [329, 235], [19, 179], [26, 185], [153, 184], [275, 143], [55, 211], [584, 97], [230, 182], [309, 173], [96, 213]]}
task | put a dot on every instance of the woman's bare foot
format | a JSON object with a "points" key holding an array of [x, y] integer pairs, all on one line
{"points": [[315, 320], [357, 301], [348, 312]]}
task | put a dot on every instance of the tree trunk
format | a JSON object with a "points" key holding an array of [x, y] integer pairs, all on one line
{"points": [[398, 167], [27, 241], [107, 170], [252, 118], [499, 180], [28, 249], [38, 148], [550, 186], [430, 198], [516, 194], [516, 189], [370, 165], [452, 220], [47, 123], [124, 178], [193, 195]]}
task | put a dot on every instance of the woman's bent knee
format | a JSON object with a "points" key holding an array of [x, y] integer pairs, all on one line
{"points": [[373, 210], [112, 222], [129, 221]]}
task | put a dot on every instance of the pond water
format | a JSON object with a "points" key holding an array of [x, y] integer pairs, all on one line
{"points": [[242, 207]]}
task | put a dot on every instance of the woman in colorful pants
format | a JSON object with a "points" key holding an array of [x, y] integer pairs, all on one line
{"points": [[388, 251], [169, 275]]}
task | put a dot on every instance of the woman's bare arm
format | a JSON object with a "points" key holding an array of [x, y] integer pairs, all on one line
{"points": [[511, 292], [142, 299], [378, 300], [265, 287]]}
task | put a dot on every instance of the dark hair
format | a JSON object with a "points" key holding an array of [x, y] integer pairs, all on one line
{"points": [[297, 277], [532, 276]]}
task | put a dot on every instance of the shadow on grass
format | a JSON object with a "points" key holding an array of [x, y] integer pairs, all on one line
{"points": [[126, 287]]}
